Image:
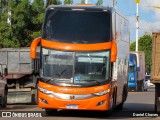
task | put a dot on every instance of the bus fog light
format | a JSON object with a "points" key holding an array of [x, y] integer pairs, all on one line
{"points": [[100, 103], [44, 101]]}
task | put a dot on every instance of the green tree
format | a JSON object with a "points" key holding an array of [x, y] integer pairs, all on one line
{"points": [[144, 44], [21, 20], [53, 2], [68, 2], [83, 2], [3, 4], [99, 3], [37, 17], [7, 35]]}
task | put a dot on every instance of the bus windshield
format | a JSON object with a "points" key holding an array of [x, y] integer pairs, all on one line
{"points": [[83, 27], [75, 67]]}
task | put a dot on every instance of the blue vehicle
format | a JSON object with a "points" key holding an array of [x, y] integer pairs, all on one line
{"points": [[132, 82], [136, 75]]}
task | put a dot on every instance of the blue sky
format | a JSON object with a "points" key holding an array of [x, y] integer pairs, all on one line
{"points": [[149, 17]]}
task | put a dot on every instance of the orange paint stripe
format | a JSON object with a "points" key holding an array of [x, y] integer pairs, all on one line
{"points": [[75, 47]]}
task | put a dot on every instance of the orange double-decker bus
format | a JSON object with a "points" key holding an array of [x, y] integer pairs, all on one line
{"points": [[84, 52]]}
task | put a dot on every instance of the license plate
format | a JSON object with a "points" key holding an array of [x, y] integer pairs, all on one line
{"points": [[71, 106]]}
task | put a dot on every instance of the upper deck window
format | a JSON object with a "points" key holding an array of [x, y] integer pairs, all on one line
{"points": [[77, 26]]}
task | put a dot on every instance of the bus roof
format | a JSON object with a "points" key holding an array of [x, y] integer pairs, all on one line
{"points": [[79, 7]]}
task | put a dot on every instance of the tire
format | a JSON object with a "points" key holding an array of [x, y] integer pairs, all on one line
{"points": [[124, 97], [142, 88], [34, 96], [135, 89], [4, 100], [157, 98], [157, 104], [120, 106], [50, 111]]}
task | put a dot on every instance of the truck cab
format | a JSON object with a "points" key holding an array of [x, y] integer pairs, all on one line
{"points": [[132, 82], [137, 71]]}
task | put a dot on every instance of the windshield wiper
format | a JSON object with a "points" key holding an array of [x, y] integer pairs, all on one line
{"points": [[59, 75], [46, 79], [95, 81]]}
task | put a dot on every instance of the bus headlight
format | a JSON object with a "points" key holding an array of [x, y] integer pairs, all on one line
{"points": [[101, 93], [45, 91]]}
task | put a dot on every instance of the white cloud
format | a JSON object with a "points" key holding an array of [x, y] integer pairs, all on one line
{"points": [[144, 27], [146, 5]]}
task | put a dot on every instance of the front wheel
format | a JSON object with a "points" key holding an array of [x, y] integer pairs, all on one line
{"points": [[50, 111]]}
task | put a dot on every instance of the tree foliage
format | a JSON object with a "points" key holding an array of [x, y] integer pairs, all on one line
{"points": [[99, 3], [82, 1], [21, 20], [68, 2], [53, 2], [144, 44]]}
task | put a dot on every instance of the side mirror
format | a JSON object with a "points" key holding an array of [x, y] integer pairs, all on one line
{"points": [[138, 69], [5, 71], [33, 47]]}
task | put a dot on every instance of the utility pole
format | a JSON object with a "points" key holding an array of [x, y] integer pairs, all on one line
{"points": [[114, 3], [137, 23], [86, 1]]}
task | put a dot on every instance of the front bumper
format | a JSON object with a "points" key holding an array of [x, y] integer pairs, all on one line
{"points": [[95, 103]]}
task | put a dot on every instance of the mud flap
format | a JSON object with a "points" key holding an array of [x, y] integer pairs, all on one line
{"points": [[19, 97]]}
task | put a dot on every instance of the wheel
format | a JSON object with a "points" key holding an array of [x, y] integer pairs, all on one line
{"points": [[157, 104], [50, 111], [142, 88], [157, 98], [135, 89], [4, 100], [34, 96], [124, 97], [120, 106]]}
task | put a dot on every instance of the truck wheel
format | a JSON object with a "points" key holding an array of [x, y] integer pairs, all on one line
{"points": [[34, 96], [157, 104], [4, 100], [50, 111], [157, 98], [142, 88], [135, 89]]}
